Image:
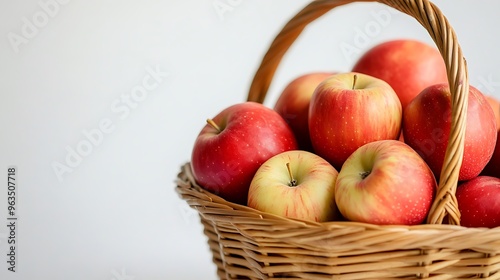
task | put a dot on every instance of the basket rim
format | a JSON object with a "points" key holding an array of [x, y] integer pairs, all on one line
{"points": [[259, 227]]}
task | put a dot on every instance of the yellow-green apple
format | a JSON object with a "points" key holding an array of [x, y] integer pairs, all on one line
{"points": [[426, 128], [479, 202], [295, 184], [293, 105], [495, 105], [407, 65], [348, 110], [385, 182], [231, 147], [492, 168]]}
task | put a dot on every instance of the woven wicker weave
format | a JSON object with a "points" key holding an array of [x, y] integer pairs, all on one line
{"points": [[248, 244]]}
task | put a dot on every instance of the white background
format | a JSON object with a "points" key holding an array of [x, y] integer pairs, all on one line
{"points": [[116, 215]]}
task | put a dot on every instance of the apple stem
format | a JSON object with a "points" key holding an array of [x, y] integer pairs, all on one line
{"points": [[355, 78], [293, 182], [364, 174], [213, 124]]}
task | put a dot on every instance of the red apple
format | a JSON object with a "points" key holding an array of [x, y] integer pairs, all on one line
{"points": [[385, 182], [493, 166], [295, 184], [426, 128], [348, 110], [407, 65], [479, 202], [232, 146], [293, 105]]}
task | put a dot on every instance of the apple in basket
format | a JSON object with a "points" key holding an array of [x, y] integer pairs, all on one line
{"points": [[231, 147], [385, 182], [426, 128], [293, 105], [407, 65], [348, 110], [479, 202], [295, 184]]}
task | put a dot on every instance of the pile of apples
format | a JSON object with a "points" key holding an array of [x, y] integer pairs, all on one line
{"points": [[365, 145]]}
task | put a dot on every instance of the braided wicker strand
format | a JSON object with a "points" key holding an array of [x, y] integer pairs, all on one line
{"points": [[441, 32], [446, 41]]}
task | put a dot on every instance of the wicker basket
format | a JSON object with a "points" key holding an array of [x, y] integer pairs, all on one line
{"points": [[248, 244]]}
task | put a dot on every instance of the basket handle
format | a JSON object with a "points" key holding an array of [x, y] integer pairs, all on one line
{"points": [[430, 17]]}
